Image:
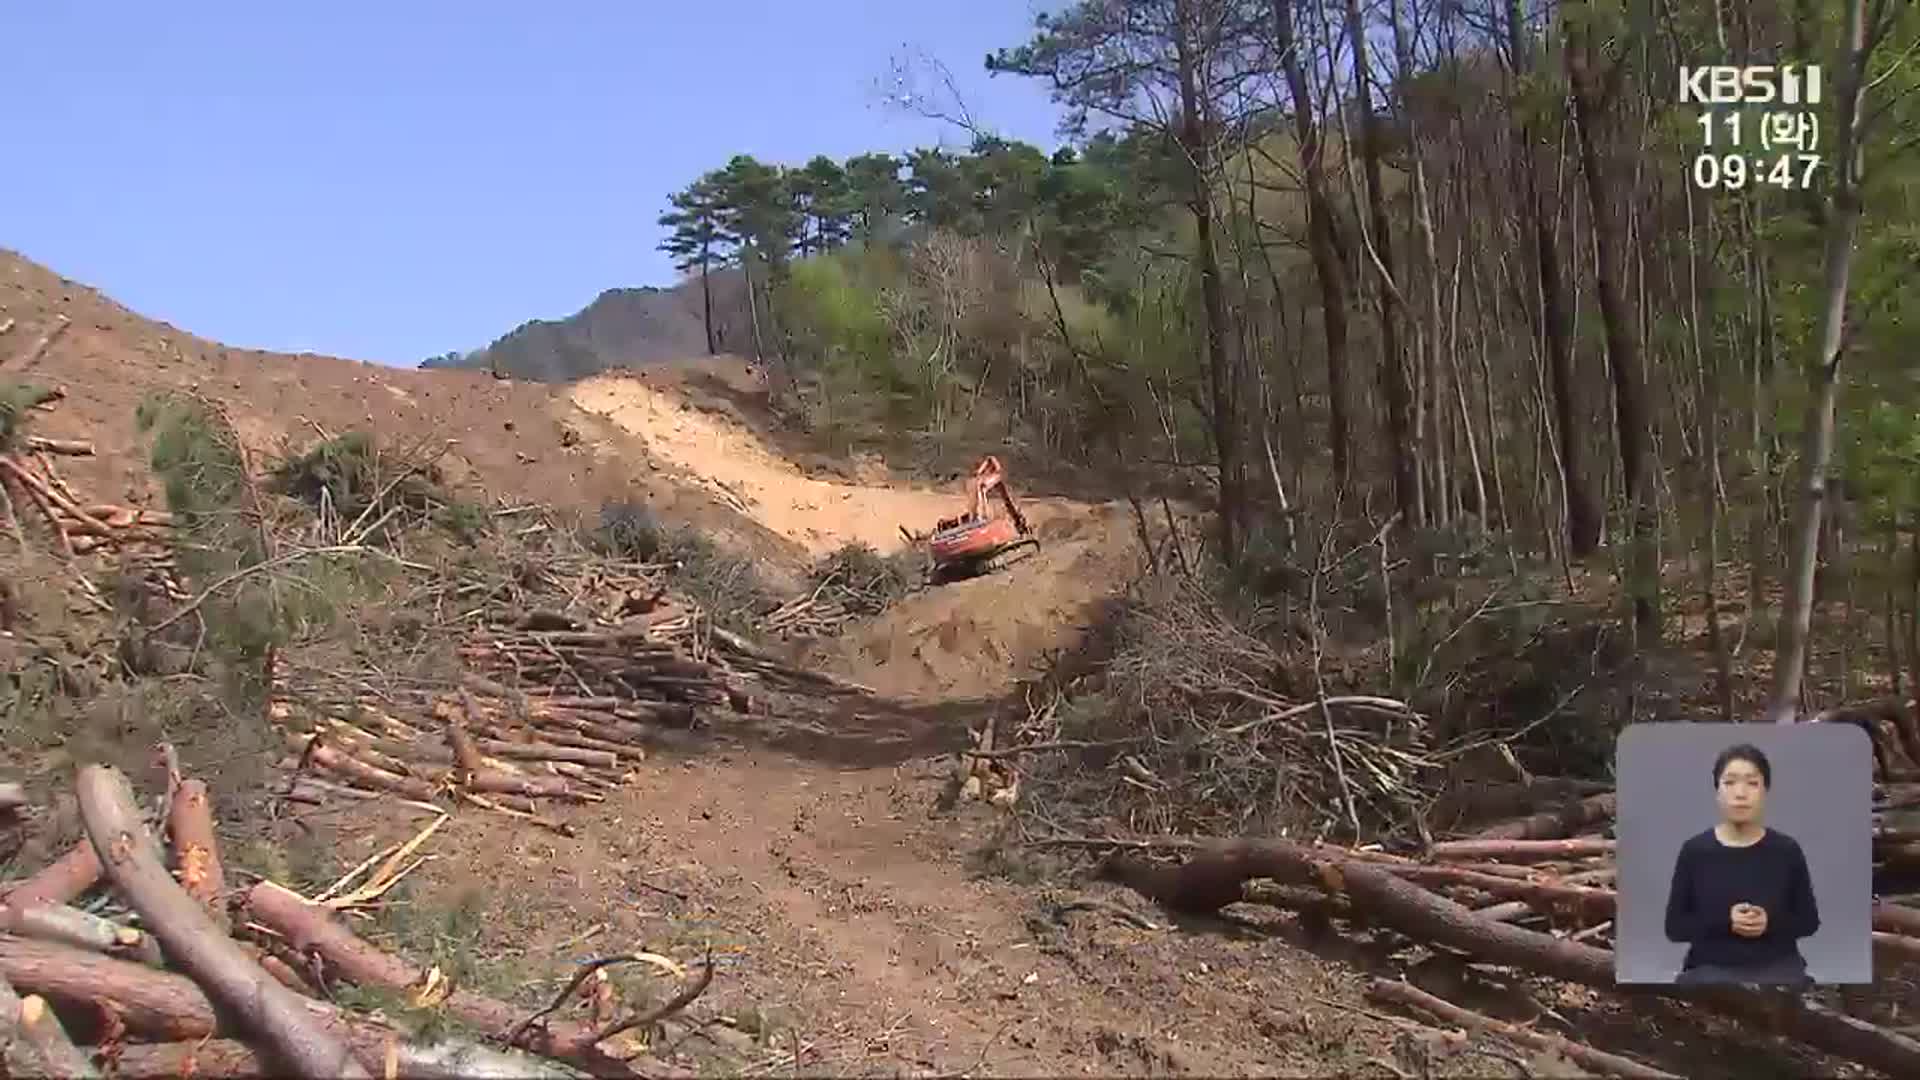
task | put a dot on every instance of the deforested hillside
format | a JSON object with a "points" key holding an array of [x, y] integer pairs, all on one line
{"points": [[517, 441]]}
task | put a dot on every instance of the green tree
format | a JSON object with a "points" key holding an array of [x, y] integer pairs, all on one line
{"points": [[757, 217], [696, 237], [940, 193], [1005, 178], [875, 193], [823, 202]]}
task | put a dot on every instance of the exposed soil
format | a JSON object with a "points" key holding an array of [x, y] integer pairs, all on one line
{"points": [[515, 441], [851, 925]]}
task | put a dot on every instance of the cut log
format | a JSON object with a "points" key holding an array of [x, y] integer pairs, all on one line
{"points": [[588, 742], [1896, 918], [196, 850], [153, 1004], [348, 768], [194, 942], [492, 781], [466, 759], [1520, 851], [68, 447], [539, 705], [170, 1009], [62, 881], [53, 498], [13, 798], [312, 930], [42, 1030], [82, 930], [1585, 905], [1554, 824], [1412, 997], [225, 1059], [211, 1059], [32, 1042], [600, 759]]}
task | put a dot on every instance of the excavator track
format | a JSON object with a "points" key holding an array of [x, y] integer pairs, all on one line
{"points": [[1017, 552]]}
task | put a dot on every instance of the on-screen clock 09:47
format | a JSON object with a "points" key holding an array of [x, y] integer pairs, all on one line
{"points": [[1732, 172]]}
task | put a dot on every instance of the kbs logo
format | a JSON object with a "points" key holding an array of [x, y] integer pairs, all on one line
{"points": [[1729, 84]]}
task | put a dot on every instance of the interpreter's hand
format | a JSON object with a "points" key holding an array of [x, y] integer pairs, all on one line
{"points": [[1749, 920]]}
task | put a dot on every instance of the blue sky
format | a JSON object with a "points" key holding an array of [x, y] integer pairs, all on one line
{"points": [[387, 181]]}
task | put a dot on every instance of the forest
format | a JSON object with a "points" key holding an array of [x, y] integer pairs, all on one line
{"points": [[1477, 267]]}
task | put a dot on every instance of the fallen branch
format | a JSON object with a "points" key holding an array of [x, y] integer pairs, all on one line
{"points": [[194, 941], [1409, 996]]}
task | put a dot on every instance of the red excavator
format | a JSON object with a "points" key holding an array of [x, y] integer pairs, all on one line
{"points": [[984, 538]]}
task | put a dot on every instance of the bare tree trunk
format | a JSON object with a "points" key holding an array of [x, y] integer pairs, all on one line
{"points": [[1556, 319], [1393, 374], [753, 306], [1892, 609], [706, 299], [1843, 219], [1427, 419], [1222, 372], [1593, 98], [1322, 240], [1708, 410]]}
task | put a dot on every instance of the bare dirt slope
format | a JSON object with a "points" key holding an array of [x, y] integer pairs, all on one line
{"points": [[969, 639], [513, 441]]}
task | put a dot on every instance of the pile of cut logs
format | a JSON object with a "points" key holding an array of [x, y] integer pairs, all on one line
{"points": [[1530, 894], [551, 709], [170, 990]]}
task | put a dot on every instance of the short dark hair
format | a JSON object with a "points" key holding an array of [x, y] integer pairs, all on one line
{"points": [[1748, 753]]}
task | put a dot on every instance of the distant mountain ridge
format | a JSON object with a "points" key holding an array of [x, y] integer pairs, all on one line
{"points": [[620, 328]]}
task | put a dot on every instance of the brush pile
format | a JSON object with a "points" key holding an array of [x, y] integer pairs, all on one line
{"points": [[852, 582], [173, 973]]}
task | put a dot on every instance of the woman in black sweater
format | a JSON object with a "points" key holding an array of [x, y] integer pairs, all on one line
{"points": [[1742, 897]]}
